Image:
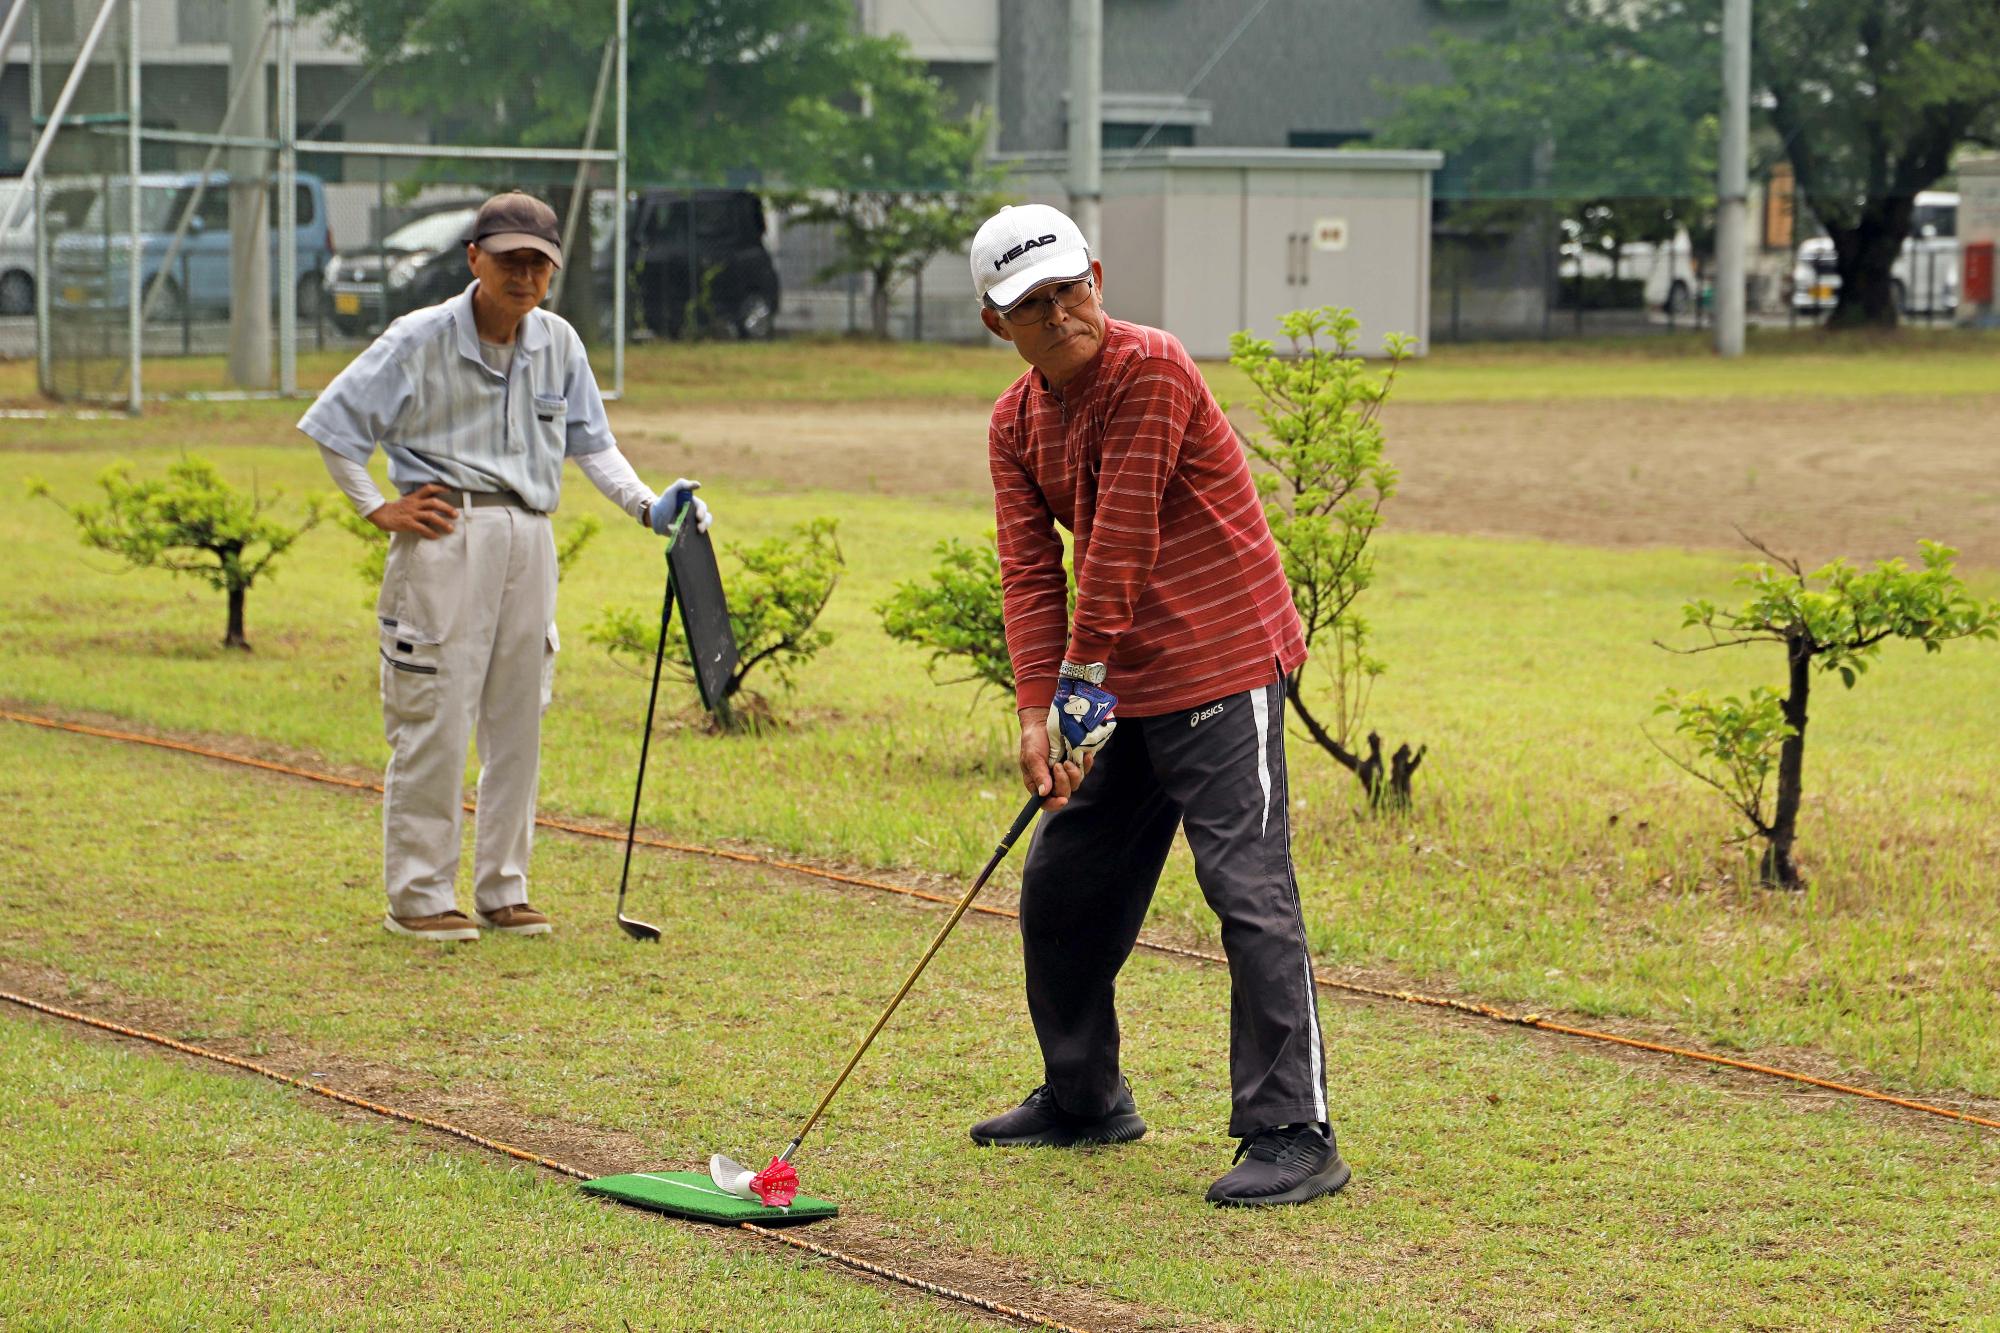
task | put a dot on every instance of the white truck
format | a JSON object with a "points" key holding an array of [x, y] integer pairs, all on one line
{"points": [[1924, 279]]}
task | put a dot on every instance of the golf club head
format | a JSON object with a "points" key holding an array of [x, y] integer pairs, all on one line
{"points": [[638, 930], [731, 1176]]}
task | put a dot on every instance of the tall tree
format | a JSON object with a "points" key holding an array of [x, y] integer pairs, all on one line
{"points": [[715, 86], [894, 172], [1870, 99], [1602, 109], [1581, 100]]}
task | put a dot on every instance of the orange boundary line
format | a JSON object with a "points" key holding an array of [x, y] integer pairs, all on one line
{"points": [[522, 1154], [1470, 1007]]}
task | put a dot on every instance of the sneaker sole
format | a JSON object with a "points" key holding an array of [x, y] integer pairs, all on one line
{"points": [[487, 923], [1329, 1181], [1124, 1129], [458, 936]]}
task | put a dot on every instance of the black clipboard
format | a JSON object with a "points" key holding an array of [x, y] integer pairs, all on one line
{"points": [[704, 611]]}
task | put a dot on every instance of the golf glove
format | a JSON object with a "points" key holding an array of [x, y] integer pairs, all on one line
{"points": [[1080, 720], [670, 503]]}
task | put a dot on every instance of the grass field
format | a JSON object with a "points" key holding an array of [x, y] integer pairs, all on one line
{"points": [[1554, 862]]}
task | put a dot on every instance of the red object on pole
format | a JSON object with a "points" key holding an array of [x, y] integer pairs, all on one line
{"points": [[777, 1184], [1979, 273]]}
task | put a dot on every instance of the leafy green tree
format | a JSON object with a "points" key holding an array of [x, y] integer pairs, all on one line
{"points": [[190, 522], [1603, 112], [897, 177], [1832, 621], [716, 87], [1616, 100], [375, 545], [781, 586], [1324, 478], [1871, 98]]}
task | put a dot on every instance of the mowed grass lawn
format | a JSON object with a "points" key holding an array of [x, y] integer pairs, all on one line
{"points": [[1502, 1179], [1554, 862]]}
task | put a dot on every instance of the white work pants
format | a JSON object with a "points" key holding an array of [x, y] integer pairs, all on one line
{"points": [[468, 646]]}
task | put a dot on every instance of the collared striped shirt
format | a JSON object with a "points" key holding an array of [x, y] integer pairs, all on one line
{"points": [[425, 394], [1180, 589]]}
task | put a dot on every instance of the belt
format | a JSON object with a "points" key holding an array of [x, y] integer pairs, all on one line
{"points": [[464, 499]]}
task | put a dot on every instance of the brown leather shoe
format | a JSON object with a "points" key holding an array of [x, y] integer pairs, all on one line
{"points": [[444, 927], [514, 919]]}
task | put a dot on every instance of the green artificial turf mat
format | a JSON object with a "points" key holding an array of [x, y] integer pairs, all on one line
{"points": [[692, 1194]]}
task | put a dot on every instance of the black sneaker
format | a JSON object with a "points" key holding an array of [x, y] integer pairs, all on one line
{"points": [[1039, 1123], [1284, 1165]]}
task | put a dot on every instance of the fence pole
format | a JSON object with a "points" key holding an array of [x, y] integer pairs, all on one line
{"points": [[134, 315]]}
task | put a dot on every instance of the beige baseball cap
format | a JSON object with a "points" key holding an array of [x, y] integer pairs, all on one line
{"points": [[516, 221]]}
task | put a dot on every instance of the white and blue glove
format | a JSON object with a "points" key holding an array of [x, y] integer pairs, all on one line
{"points": [[1080, 720], [660, 517]]}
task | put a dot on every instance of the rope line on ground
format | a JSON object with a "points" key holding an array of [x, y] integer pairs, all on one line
{"points": [[522, 1154], [1472, 1008]]}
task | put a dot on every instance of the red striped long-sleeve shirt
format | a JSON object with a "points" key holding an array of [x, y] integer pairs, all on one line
{"points": [[1179, 588]]}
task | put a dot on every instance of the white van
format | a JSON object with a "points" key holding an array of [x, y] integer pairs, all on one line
{"points": [[1924, 279], [1666, 272]]}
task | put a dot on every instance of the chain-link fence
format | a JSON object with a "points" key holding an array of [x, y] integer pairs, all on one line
{"points": [[232, 201]]}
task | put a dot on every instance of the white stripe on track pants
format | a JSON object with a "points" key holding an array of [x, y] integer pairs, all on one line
{"points": [[468, 648], [1219, 772]]}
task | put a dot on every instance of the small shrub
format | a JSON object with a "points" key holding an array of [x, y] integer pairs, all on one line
{"points": [[192, 522], [958, 613], [780, 588]]}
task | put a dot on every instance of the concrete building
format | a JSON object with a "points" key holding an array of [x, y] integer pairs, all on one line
{"points": [[1214, 120]]}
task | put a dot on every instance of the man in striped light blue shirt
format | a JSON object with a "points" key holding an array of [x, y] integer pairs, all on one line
{"points": [[476, 402]]}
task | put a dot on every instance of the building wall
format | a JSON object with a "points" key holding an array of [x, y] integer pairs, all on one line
{"points": [[1320, 66]]}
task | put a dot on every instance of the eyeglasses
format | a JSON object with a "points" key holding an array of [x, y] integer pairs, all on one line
{"points": [[1034, 310]]}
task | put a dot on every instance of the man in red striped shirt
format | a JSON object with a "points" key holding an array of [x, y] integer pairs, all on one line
{"points": [[1184, 626]]}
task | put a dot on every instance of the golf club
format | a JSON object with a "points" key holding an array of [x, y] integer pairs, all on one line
{"points": [[777, 1184], [639, 930]]}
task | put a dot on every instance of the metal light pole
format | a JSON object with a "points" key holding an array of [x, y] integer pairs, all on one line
{"points": [[249, 206], [1732, 219], [1086, 89]]}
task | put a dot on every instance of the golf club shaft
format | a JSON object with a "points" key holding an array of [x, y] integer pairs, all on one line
{"points": [[1021, 822], [646, 737]]}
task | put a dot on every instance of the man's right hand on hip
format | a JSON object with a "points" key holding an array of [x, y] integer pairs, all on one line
{"points": [[423, 511]]}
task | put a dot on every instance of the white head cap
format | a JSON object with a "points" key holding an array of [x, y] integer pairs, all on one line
{"points": [[1020, 248]]}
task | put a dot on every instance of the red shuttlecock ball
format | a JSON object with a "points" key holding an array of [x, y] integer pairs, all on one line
{"points": [[777, 1184]]}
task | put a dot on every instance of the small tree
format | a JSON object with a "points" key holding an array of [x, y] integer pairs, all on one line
{"points": [[775, 600], [1324, 480], [191, 522], [897, 177], [375, 545], [1832, 620]]}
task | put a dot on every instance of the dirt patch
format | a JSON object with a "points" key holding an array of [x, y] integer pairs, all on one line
{"points": [[1862, 478]]}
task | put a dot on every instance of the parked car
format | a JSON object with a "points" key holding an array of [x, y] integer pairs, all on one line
{"points": [[418, 264], [709, 261], [67, 200], [1924, 279], [89, 258]]}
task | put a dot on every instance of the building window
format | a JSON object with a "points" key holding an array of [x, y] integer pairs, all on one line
{"points": [[1326, 138], [1120, 134]]}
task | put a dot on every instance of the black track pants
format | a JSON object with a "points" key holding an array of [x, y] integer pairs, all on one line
{"points": [[1220, 771]]}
